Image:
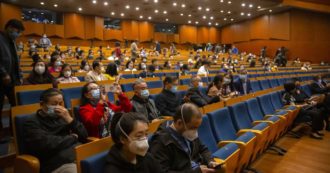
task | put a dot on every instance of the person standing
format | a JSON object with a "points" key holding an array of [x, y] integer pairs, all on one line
{"points": [[10, 74], [158, 47]]}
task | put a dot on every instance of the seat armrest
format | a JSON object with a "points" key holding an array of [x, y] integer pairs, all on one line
{"points": [[91, 139], [280, 116], [223, 143], [262, 121], [26, 164], [256, 132]]}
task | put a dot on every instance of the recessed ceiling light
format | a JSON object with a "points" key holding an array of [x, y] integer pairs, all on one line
{"points": [[181, 14], [229, 12], [166, 20], [189, 21], [105, 3], [127, 6], [141, 17], [232, 19], [204, 17], [207, 9], [55, 5], [216, 24], [94, 1], [165, 12], [270, 10], [249, 14], [149, 18], [210, 23], [225, 19], [221, 1], [156, 11], [189, 15], [251, 5], [221, 11], [122, 14], [196, 22], [137, 8], [242, 14], [42, 13], [113, 13], [211, 17], [243, 4], [259, 6], [199, 8], [175, 4], [229, 2], [42, 3], [183, 5], [155, 1], [80, 9]]}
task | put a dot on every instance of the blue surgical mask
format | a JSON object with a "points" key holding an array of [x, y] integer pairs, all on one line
{"points": [[174, 89], [96, 94], [145, 93]]}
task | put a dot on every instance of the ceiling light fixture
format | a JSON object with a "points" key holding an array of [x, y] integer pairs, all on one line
{"points": [[199, 8], [183, 5], [105, 3], [196, 22], [149, 18], [155, 1], [259, 6], [122, 14], [232, 19], [216, 24], [189, 15], [94, 1], [156, 11], [204, 17], [211, 17], [127, 6], [243, 4], [181, 14], [221, 1], [113, 13], [189, 21], [210, 23], [165, 12], [270, 10], [221, 11], [137, 8], [207, 9], [80, 9], [249, 14], [229, 12], [141, 17], [225, 19], [251, 5], [229, 2], [242, 14], [42, 3], [166, 20], [55, 5], [175, 4]]}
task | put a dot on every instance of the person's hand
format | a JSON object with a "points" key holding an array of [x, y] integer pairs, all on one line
{"points": [[6, 79], [205, 169], [74, 135], [63, 113], [186, 99], [213, 164], [118, 89]]}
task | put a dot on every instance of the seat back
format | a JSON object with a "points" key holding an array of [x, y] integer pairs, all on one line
{"points": [[69, 94], [273, 83], [29, 94], [155, 84], [206, 136], [240, 116], [264, 84], [307, 90], [213, 107], [19, 115], [266, 104], [222, 125], [277, 103], [254, 109], [91, 157], [255, 86]]}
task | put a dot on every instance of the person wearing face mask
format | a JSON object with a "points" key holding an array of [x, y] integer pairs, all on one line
{"points": [[242, 84], [96, 112], [129, 131], [84, 67], [168, 100], [45, 42], [228, 89], [177, 148], [130, 66], [10, 73], [39, 75], [141, 101], [203, 70], [196, 96], [97, 73], [55, 65], [66, 75], [52, 134], [318, 86]]}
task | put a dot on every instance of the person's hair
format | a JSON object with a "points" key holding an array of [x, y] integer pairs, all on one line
{"points": [[53, 59], [317, 77], [185, 67], [152, 68], [36, 57], [153, 61], [15, 24], [295, 79], [193, 78], [83, 64], [83, 99], [63, 67], [95, 64], [289, 86], [252, 63], [45, 95], [35, 78], [216, 80], [206, 62], [126, 121], [189, 110], [128, 62], [137, 82], [170, 80], [112, 69]]}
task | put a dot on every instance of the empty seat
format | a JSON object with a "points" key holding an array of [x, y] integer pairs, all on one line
{"points": [[255, 86], [127, 87], [273, 83], [264, 84], [155, 84], [185, 81], [29, 97], [307, 90], [71, 93]]}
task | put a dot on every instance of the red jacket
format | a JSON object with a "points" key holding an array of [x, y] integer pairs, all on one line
{"points": [[91, 116]]}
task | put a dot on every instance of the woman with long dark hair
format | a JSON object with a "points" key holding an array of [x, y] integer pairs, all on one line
{"points": [[39, 74]]}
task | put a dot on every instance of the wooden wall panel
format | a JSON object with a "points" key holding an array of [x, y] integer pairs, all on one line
{"points": [[227, 35], [241, 32], [135, 30], [214, 35], [89, 27], [113, 34], [146, 31], [170, 38], [32, 28], [202, 34], [99, 25], [259, 28], [53, 30], [176, 38], [321, 25], [74, 26], [301, 29], [279, 26], [188, 34], [161, 37], [7, 12], [130, 30]]}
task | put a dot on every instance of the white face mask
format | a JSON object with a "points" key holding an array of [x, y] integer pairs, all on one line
{"points": [[200, 84], [40, 69], [67, 73], [86, 68], [191, 135]]}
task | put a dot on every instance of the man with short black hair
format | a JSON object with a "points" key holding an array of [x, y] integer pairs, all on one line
{"points": [[10, 73], [52, 134]]}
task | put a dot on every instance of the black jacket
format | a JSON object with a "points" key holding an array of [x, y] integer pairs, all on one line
{"points": [[146, 107], [50, 140], [9, 60], [316, 89], [167, 102], [239, 86], [171, 156], [117, 164], [200, 99]]}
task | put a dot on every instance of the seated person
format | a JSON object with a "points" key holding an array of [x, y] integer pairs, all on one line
{"points": [[319, 86], [141, 101], [308, 110], [214, 88], [52, 134], [203, 70], [111, 72], [96, 112], [84, 66], [228, 89], [96, 74], [184, 70], [168, 100], [149, 72], [129, 131], [196, 96], [167, 65], [66, 75], [39, 74], [130, 66], [55, 64], [242, 85], [177, 148]]}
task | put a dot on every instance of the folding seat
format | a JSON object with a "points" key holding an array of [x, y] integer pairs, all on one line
{"points": [[174, 74], [229, 153], [273, 83], [159, 74], [127, 87], [71, 93], [81, 78], [264, 84], [205, 79], [280, 81], [28, 97], [128, 76], [255, 86], [243, 123], [155, 84], [185, 81], [225, 132]]}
